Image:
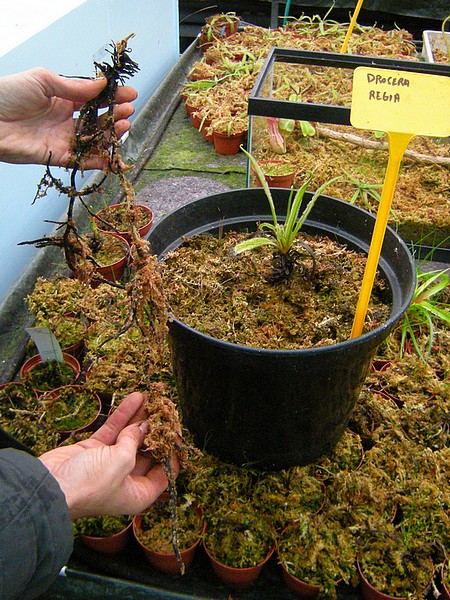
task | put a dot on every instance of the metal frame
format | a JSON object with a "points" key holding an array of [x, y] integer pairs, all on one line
{"points": [[322, 113]]}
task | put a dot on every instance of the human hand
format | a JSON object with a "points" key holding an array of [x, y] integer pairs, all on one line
{"points": [[36, 116], [105, 475]]}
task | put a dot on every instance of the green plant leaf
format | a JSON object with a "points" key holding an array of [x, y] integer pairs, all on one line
{"points": [[253, 243], [424, 307], [260, 174], [307, 129]]}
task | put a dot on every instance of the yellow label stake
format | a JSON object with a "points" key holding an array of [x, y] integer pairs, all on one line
{"points": [[403, 105]]}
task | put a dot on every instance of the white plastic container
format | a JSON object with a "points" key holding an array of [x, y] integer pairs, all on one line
{"points": [[434, 40]]}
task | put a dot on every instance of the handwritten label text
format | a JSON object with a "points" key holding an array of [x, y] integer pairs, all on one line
{"points": [[389, 80]]}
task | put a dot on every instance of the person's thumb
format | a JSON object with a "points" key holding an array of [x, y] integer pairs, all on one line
{"points": [[77, 90], [130, 439]]}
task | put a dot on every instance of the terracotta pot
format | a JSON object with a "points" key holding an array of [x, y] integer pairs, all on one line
{"points": [[189, 108], [90, 426], [195, 120], [203, 42], [30, 363], [115, 271], [445, 589], [143, 230], [231, 28], [224, 26], [280, 181], [76, 349], [207, 136], [300, 588], [237, 578], [228, 144], [370, 593], [111, 544], [167, 562], [220, 29]]}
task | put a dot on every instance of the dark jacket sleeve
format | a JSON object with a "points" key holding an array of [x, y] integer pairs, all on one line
{"points": [[36, 535]]}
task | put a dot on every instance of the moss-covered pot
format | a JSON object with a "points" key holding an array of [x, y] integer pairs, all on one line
{"points": [[112, 215], [109, 543], [68, 374]]}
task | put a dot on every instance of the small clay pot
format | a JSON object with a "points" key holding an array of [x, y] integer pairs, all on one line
{"points": [[36, 359], [300, 588], [167, 562], [90, 426], [284, 180], [231, 28], [196, 120], [237, 578], [208, 136], [220, 29], [189, 108], [445, 589], [370, 593], [114, 271], [111, 544], [77, 348], [143, 230], [227, 145]]}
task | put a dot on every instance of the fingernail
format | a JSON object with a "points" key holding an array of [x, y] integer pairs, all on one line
{"points": [[143, 426]]}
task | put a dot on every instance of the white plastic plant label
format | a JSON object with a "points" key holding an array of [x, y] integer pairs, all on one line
{"points": [[46, 343]]}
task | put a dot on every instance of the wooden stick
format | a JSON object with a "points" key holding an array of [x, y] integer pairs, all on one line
{"points": [[379, 145]]}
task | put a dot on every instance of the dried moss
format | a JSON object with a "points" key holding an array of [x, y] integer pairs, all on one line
{"points": [[50, 375], [103, 526], [230, 296], [71, 408], [238, 537], [319, 551], [155, 531]]}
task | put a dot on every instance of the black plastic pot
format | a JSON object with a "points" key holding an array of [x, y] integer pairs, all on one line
{"points": [[275, 408]]}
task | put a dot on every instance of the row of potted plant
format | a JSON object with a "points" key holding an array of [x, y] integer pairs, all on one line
{"points": [[375, 434], [329, 470], [369, 486], [353, 533], [216, 94]]}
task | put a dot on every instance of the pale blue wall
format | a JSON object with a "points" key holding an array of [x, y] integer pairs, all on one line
{"points": [[69, 46]]}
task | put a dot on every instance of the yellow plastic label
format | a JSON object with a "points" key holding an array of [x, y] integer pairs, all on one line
{"points": [[401, 101]]}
